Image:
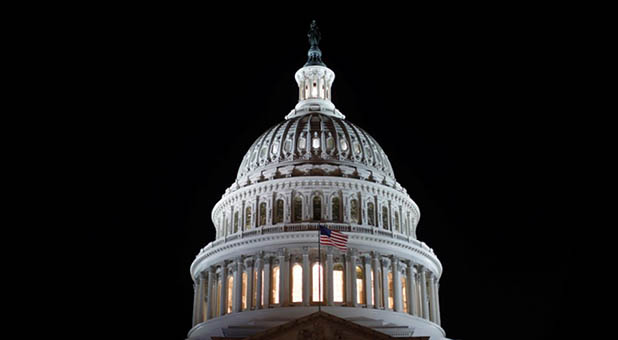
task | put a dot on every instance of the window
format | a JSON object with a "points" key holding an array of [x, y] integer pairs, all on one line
{"points": [[315, 141], [263, 152], [248, 218], [396, 221], [317, 208], [279, 211], [274, 290], [370, 214], [343, 144], [297, 283], [357, 148], [298, 209], [244, 291], [230, 292], [338, 283], [330, 143], [404, 294], [360, 285], [287, 146], [336, 209], [391, 300], [275, 147], [317, 275], [236, 222], [354, 211], [385, 217], [302, 143], [262, 213]]}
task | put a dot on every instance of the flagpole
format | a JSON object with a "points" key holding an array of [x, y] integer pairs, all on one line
{"points": [[320, 271]]}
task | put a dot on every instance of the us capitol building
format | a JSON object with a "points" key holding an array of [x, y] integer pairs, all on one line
{"points": [[260, 278]]}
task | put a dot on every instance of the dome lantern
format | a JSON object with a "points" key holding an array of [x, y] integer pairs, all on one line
{"points": [[314, 81]]}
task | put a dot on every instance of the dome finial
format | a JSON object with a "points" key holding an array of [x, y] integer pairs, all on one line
{"points": [[314, 54]]}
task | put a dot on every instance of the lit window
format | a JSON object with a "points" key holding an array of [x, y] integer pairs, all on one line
{"points": [[302, 143], [343, 144], [236, 222], [354, 211], [287, 146], [230, 292], [385, 217], [357, 148], [338, 283], [404, 294], [297, 283], [391, 300], [336, 209], [248, 218], [274, 291], [275, 147], [315, 142], [244, 291], [263, 213], [263, 152], [370, 214], [298, 209], [317, 274], [360, 285], [279, 211], [330, 143], [317, 208]]}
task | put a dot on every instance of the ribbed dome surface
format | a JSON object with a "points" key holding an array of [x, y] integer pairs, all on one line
{"points": [[317, 138]]}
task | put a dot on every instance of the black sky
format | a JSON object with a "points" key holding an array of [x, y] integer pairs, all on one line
{"points": [[468, 107]]}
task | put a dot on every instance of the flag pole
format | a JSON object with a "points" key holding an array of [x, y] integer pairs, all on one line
{"points": [[320, 269]]}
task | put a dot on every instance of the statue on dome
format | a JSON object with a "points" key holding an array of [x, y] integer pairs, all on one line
{"points": [[314, 34]]}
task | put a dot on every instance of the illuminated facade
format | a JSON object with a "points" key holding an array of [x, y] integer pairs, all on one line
{"points": [[263, 269]]}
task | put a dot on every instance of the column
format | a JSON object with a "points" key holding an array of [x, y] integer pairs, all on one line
{"points": [[352, 277], [196, 299], [438, 317], [266, 281], [223, 277], [367, 272], [237, 268], [385, 288], [430, 295], [411, 286], [397, 297], [249, 292], [376, 286], [259, 263], [424, 301], [211, 296], [329, 277], [306, 277], [284, 274]]}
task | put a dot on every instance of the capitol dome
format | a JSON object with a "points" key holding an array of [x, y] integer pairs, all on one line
{"points": [[311, 174]]}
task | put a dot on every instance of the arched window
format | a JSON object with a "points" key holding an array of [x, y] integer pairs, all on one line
{"points": [[354, 211], [262, 213], [317, 208], [360, 285], [248, 218], [297, 283], [385, 217], [244, 291], [317, 275], [336, 205], [279, 211], [404, 294], [274, 291], [298, 209], [371, 214], [396, 221], [391, 300], [230, 292], [338, 283], [235, 222]]}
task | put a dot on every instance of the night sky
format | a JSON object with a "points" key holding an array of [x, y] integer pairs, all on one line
{"points": [[467, 107]]}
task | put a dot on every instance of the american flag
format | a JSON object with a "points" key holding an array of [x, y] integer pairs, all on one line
{"points": [[333, 238]]}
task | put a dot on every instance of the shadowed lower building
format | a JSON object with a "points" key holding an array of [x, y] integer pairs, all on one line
{"points": [[265, 273]]}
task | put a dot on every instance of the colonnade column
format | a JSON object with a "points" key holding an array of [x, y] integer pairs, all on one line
{"points": [[367, 273], [284, 274], [411, 286], [385, 288], [375, 263], [396, 285], [209, 292], [306, 277], [329, 278], [437, 298], [236, 303], [250, 275], [352, 277], [267, 276], [223, 278], [198, 302], [424, 301], [259, 263], [430, 295]]}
